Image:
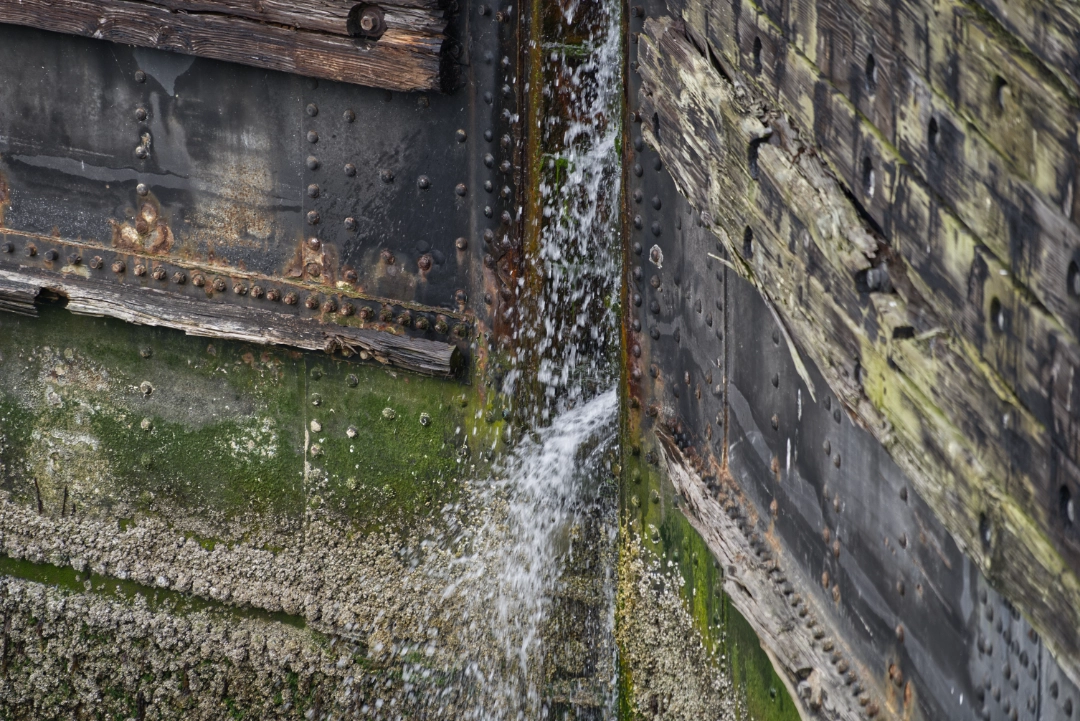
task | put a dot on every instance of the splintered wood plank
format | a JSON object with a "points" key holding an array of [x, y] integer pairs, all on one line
{"points": [[934, 369], [406, 57], [254, 325]]}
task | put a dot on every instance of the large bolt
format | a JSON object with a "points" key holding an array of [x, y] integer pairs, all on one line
{"points": [[158, 273], [371, 21], [118, 266]]}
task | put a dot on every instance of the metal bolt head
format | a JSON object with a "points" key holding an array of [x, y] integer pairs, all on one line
{"points": [[31, 250], [312, 109], [350, 170], [118, 266], [291, 298], [461, 243], [313, 191], [346, 309], [273, 294], [351, 276], [349, 116], [51, 255], [387, 256], [139, 270], [312, 302], [421, 323], [312, 136], [405, 319], [366, 313], [460, 295], [314, 243], [179, 277], [386, 314], [141, 189], [239, 289], [460, 190], [461, 135], [424, 263], [424, 182], [329, 305], [8, 247], [312, 162], [257, 291], [387, 176], [219, 285], [140, 114], [140, 76], [441, 326], [351, 225], [158, 273], [313, 217], [141, 152]]}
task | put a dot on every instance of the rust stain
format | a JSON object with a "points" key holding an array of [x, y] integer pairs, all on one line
{"points": [[5, 198], [148, 232]]}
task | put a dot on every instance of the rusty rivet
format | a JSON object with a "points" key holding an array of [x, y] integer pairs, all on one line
{"points": [[461, 243], [366, 313], [140, 76], [489, 260], [312, 109], [424, 263], [179, 277], [405, 319], [219, 285], [827, 646], [350, 276], [140, 114], [312, 136], [350, 170], [314, 243], [273, 294], [312, 302], [387, 256], [118, 266], [312, 163], [239, 289], [460, 295], [505, 167], [141, 152], [441, 326], [51, 255], [313, 191], [313, 217], [424, 182], [158, 273], [387, 176], [257, 291], [197, 280], [291, 298], [460, 189], [347, 309], [422, 323], [31, 250], [350, 225], [461, 330], [489, 236], [500, 16], [141, 189], [329, 305], [349, 116], [8, 247]]}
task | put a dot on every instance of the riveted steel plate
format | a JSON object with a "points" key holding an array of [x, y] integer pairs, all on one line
{"points": [[330, 203]]}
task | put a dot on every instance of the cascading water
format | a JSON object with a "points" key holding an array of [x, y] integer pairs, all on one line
{"points": [[549, 504]]}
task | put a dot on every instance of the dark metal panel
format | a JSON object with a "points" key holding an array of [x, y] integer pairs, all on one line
{"points": [[229, 184]]}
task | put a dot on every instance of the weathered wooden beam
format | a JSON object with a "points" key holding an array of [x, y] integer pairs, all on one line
{"points": [[907, 364], [402, 50], [147, 306]]}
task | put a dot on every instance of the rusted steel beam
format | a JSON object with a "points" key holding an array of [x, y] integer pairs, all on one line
{"points": [[395, 46]]}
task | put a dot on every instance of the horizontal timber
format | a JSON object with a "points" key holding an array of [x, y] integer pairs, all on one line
{"points": [[308, 39]]}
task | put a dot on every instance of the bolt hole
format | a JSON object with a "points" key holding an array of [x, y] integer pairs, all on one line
{"points": [[366, 21], [757, 55], [932, 134], [1074, 279], [871, 74], [1068, 508], [1001, 94], [997, 316], [986, 531], [748, 242], [868, 178]]}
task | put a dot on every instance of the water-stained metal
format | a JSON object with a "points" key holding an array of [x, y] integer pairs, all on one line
{"points": [[347, 208]]}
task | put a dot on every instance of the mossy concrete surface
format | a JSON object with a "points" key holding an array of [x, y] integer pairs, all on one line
{"points": [[175, 510]]}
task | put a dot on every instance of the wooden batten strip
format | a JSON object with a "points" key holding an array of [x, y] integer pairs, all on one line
{"points": [[407, 57]]}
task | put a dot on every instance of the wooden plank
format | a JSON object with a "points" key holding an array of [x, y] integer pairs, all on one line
{"points": [[407, 57], [147, 306], [953, 442]]}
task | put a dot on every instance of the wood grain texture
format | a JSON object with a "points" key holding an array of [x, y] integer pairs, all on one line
{"points": [[315, 43], [921, 368], [253, 325]]}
